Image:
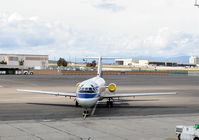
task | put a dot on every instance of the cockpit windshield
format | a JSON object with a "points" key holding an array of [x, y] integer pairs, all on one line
{"points": [[86, 90]]}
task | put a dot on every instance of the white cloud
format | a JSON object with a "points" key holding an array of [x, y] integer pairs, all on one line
{"points": [[33, 35], [111, 5]]}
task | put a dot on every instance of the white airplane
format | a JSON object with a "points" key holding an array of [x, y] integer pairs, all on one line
{"points": [[90, 91]]}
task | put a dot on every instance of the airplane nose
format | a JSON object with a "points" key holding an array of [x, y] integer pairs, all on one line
{"points": [[86, 102]]}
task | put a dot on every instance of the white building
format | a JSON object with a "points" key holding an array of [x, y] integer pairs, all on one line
{"points": [[30, 61], [127, 62], [143, 62], [131, 62], [194, 60]]}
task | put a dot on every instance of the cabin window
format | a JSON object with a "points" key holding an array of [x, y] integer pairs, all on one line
{"points": [[87, 90]]}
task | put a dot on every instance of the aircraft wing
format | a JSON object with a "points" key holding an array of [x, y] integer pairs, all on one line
{"points": [[49, 92], [135, 94]]}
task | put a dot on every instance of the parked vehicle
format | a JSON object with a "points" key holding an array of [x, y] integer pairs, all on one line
{"points": [[187, 132], [2, 72], [25, 72]]}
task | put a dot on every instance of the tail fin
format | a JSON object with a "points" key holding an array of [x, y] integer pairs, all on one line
{"points": [[99, 69]]}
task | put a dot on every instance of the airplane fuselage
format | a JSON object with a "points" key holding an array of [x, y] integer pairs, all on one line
{"points": [[89, 91]]}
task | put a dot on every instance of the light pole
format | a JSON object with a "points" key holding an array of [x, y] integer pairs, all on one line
{"points": [[196, 3]]}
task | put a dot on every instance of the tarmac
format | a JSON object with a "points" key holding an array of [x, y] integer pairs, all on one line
{"points": [[45, 117]]}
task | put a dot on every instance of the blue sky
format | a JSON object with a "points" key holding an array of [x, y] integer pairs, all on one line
{"points": [[120, 28]]}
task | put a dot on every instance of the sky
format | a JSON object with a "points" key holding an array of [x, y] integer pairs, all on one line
{"points": [[117, 28]]}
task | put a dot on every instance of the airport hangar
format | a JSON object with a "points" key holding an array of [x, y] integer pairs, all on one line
{"points": [[29, 62]]}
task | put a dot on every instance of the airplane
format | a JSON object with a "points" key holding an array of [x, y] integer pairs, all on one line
{"points": [[91, 91]]}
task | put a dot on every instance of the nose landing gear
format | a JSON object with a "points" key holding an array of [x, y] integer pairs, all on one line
{"points": [[88, 113], [85, 113]]}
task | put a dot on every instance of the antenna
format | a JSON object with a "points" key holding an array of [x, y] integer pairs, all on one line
{"points": [[196, 3]]}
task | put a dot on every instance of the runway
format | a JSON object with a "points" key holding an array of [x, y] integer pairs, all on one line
{"points": [[27, 106]]}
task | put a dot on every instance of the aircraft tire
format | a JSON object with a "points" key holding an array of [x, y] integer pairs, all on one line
{"points": [[179, 137], [76, 104], [109, 104]]}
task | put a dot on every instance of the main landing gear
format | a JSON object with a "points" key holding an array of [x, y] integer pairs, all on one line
{"points": [[109, 103], [76, 104]]}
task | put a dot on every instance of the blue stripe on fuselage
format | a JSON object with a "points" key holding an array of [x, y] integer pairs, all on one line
{"points": [[86, 95]]}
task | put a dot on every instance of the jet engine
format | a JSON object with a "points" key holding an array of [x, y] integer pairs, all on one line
{"points": [[77, 85], [112, 87]]}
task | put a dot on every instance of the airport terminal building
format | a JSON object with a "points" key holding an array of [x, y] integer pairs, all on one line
{"points": [[29, 60], [145, 62]]}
